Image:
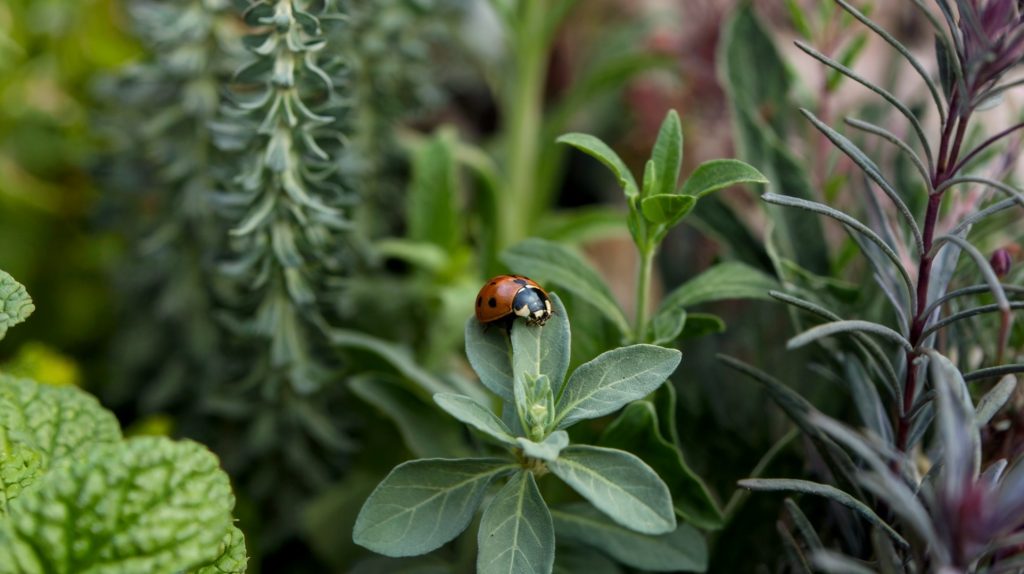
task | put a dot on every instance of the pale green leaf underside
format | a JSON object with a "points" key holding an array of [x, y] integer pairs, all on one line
{"points": [[423, 504], [475, 415], [614, 379], [548, 449], [542, 350], [148, 504], [15, 304], [516, 535], [682, 549], [618, 484]]}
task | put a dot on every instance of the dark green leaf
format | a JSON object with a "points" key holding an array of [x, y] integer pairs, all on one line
{"points": [[668, 155], [681, 550], [702, 324], [425, 431], [666, 209], [636, 430], [432, 210], [600, 151]]}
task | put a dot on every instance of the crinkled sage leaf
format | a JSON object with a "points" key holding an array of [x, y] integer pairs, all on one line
{"points": [[618, 484], [422, 504], [148, 504], [516, 534], [613, 380], [19, 467], [232, 558], [680, 550], [15, 304]]}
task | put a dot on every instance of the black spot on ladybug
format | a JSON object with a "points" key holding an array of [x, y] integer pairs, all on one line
{"points": [[492, 302], [520, 282], [479, 301]]}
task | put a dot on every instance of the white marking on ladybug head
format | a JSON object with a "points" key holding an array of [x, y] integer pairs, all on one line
{"points": [[523, 311]]}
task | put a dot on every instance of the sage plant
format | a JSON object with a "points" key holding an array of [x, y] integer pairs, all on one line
{"points": [[954, 518]]}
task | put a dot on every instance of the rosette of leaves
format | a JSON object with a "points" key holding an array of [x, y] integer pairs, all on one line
{"points": [[927, 268], [423, 504], [165, 173], [77, 497]]}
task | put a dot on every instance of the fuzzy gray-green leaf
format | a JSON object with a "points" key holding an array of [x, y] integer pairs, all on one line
{"points": [[516, 534], [683, 549], [618, 484], [148, 504], [475, 415], [489, 351], [668, 155], [548, 449], [15, 304], [600, 151], [543, 350], [423, 504], [614, 379], [717, 174]]}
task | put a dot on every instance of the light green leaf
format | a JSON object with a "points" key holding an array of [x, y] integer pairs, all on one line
{"points": [[425, 431], [432, 210], [555, 263], [422, 254], [516, 534], [618, 484], [680, 550], [729, 280], [543, 350], [396, 355], [548, 449], [614, 379], [668, 154], [636, 431], [701, 324], [15, 304], [147, 504], [489, 351], [665, 327], [717, 174], [20, 466], [574, 226], [600, 151], [665, 208], [232, 558], [56, 422], [475, 415], [422, 504]]}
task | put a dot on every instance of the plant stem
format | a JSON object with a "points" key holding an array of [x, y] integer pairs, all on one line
{"points": [[523, 120], [643, 288]]}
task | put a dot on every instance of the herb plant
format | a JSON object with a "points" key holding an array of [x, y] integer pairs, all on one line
{"points": [[425, 503], [77, 497], [901, 368]]}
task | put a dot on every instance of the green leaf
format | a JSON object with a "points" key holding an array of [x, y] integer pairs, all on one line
{"points": [[825, 490], [994, 400], [666, 209], [489, 351], [576, 558], [665, 327], [614, 379], [668, 154], [542, 350], [600, 151], [232, 558], [422, 254], [729, 280], [555, 263], [475, 415], [618, 484], [701, 324], [548, 449], [796, 16], [516, 534], [680, 550], [717, 174], [55, 422], [425, 431], [147, 504], [636, 431], [574, 226], [15, 304], [396, 355], [422, 504], [20, 466], [432, 210]]}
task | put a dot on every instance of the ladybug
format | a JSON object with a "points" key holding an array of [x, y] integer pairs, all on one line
{"points": [[506, 297]]}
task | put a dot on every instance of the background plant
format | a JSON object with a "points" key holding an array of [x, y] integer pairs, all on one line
{"points": [[896, 244]]}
